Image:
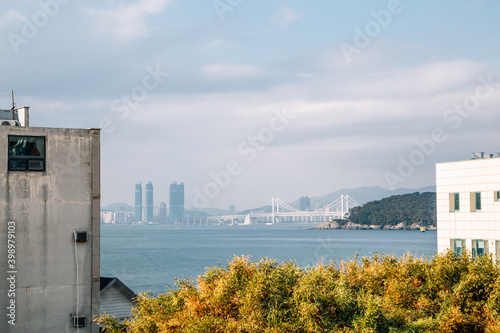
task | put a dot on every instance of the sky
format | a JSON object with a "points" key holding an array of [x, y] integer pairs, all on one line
{"points": [[248, 100]]}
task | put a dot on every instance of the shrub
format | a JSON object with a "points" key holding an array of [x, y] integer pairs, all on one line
{"points": [[381, 293], [323, 301]]}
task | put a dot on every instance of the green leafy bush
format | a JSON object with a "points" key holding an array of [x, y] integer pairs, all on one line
{"points": [[381, 293]]}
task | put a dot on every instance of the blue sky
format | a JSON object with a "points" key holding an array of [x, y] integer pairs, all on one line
{"points": [[194, 91]]}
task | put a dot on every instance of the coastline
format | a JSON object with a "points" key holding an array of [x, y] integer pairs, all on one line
{"points": [[334, 225]]}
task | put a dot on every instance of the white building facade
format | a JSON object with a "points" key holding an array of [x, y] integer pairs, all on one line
{"points": [[468, 205]]}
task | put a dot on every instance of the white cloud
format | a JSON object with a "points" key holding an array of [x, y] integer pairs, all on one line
{"points": [[285, 16], [11, 17], [349, 136], [426, 79], [404, 97], [127, 21], [230, 71]]}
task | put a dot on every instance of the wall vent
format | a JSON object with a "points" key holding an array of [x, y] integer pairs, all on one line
{"points": [[80, 236], [79, 321], [35, 165]]}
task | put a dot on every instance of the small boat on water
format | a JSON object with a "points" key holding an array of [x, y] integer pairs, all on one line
{"points": [[422, 229]]}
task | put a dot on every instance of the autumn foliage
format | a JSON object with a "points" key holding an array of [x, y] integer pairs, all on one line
{"points": [[381, 293]]}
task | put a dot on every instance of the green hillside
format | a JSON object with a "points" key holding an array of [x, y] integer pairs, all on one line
{"points": [[407, 208]]}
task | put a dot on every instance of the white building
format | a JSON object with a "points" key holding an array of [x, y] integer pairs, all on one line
{"points": [[107, 216], [468, 205]]}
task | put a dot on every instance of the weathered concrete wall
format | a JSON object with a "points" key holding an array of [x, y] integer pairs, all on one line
{"points": [[46, 207]]}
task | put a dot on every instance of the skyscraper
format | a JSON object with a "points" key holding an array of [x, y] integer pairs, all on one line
{"points": [[138, 202], [149, 202], [162, 213], [305, 203], [176, 201]]}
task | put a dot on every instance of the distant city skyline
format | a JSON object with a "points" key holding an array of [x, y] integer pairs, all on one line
{"points": [[361, 195], [263, 99], [146, 210]]}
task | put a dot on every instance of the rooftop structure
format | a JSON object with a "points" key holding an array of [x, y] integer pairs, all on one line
{"points": [[116, 298]]}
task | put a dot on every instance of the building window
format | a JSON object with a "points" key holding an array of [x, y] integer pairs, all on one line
{"points": [[26, 153], [475, 201], [479, 247], [454, 202], [458, 245], [497, 195]]}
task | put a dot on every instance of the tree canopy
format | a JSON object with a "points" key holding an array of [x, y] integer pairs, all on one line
{"points": [[410, 208], [382, 293]]}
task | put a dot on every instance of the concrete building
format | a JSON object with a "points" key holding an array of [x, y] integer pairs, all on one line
{"points": [[138, 202], [468, 205], [49, 215], [149, 202], [176, 201]]}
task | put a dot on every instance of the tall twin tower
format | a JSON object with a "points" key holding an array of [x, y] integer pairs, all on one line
{"points": [[176, 204]]}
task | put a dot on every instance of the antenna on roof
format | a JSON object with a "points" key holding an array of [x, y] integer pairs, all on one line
{"points": [[13, 104]]}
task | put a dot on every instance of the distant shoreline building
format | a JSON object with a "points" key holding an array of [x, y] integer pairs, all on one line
{"points": [[138, 202], [305, 203], [176, 201], [149, 202], [117, 217], [162, 213], [468, 205]]}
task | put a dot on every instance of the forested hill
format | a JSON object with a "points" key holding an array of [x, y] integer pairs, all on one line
{"points": [[407, 208]]}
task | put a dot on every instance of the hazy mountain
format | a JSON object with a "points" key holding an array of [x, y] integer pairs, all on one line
{"points": [[206, 211], [362, 194]]}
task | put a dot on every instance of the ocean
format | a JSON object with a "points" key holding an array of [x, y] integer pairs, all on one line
{"points": [[151, 257]]}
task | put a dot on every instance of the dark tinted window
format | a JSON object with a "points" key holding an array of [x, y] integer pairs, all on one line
{"points": [[26, 153]]}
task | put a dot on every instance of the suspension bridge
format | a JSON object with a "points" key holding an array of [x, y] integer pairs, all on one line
{"points": [[278, 211]]}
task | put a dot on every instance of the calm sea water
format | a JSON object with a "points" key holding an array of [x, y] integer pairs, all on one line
{"points": [[150, 257]]}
